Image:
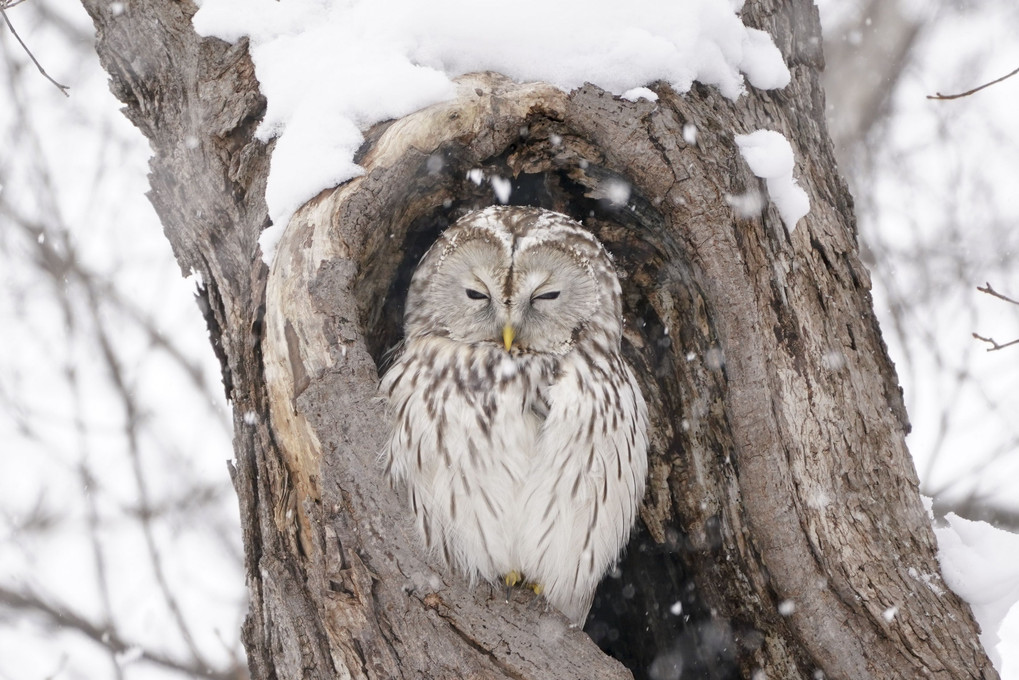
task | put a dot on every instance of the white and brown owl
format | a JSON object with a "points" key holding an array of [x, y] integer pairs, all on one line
{"points": [[518, 431]]}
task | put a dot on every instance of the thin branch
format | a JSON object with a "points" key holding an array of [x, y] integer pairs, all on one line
{"points": [[62, 88], [60, 264], [990, 291], [994, 346], [973, 91], [132, 420], [62, 618], [93, 523], [63, 263]]}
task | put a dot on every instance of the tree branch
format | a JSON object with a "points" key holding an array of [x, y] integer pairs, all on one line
{"points": [[990, 291], [973, 91], [3, 12], [58, 617], [994, 345]]}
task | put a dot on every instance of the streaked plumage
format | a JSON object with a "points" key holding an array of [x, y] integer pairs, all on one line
{"points": [[519, 433]]}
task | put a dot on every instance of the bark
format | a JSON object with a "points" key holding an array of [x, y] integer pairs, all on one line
{"points": [[780, 481]]}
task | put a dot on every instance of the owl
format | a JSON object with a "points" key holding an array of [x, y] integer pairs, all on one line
{"points": [[519, 433]]}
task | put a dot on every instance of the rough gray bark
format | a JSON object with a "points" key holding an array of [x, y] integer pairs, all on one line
{"points": [[779, 470]]}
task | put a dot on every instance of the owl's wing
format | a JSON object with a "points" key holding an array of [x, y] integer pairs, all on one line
{"points": [[458, 449], [586, 481]]}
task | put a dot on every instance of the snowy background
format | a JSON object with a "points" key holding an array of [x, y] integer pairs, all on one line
{"points": [[119, 549]]}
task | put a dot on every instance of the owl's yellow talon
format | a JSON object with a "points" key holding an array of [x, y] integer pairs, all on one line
{"points": [[512, 578]]}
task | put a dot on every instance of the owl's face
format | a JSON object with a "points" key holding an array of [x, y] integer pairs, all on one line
{"points": [[524, 278]]}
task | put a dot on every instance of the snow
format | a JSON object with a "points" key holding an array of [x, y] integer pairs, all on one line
{"points": [[930, 580], [618, 194], [981, 564], [331, 70], [746, 205], [507, 368], [690, 134], [770, 157], [502, 188], [640, 93]]}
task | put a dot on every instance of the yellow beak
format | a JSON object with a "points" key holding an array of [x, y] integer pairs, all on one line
{"points": [[507, 336]]}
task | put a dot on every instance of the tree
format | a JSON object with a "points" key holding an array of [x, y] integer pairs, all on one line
{"points": [[883, 61], [782, 510]]}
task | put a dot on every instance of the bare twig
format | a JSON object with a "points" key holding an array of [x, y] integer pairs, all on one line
{"points": [[994, 345], [3, 6], [973, 91], [92, 510], [93, 300], [990, 291]]}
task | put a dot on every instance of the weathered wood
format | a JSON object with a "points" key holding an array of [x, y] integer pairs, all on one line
{"points": [[781, 491], [332, 273], [197, 102]]}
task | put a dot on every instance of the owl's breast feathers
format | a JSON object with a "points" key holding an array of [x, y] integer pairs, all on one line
{"points": [[519, 462], [466, 419]]}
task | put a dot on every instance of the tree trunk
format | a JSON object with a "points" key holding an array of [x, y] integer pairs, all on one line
{"points": [[782, 529]]}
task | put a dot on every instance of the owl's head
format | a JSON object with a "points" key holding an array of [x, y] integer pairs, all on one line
{"points": [[529, 279]]}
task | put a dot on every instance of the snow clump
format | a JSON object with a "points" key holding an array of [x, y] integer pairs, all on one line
{"points": [[770, 157], [981, 564], [330, 70]]}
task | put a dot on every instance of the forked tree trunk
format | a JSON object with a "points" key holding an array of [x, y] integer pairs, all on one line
{"points": [[782, 529]]}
